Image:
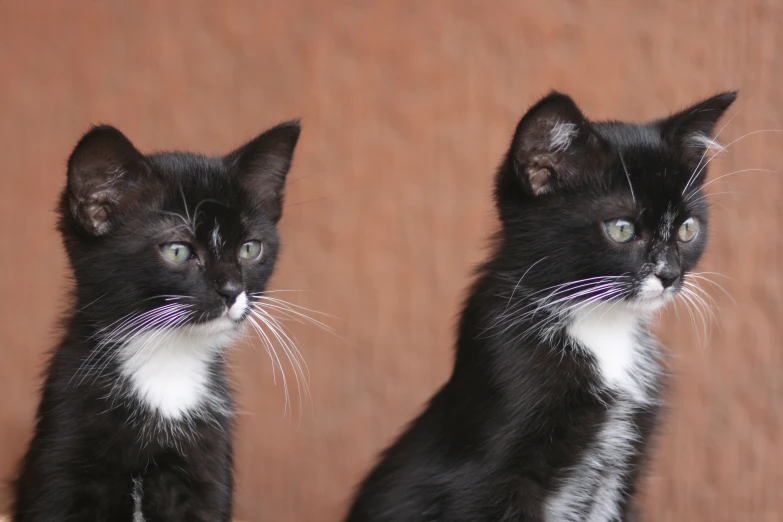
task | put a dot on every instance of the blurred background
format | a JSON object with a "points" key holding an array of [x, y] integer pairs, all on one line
{"points": [[407, 108]]}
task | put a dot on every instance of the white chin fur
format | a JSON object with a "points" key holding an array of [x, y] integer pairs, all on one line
{"points": [[238, 309], [652, 296], [169, 370]]}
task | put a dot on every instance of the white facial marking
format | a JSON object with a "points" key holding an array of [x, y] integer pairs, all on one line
{"points": [[215, 240], [561, 136], [651, 287], [238, 309], [169, 369], [666, 224], [652, 295]]}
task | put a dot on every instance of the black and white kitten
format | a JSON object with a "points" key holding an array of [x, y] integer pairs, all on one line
{"points": [[550, 408], [170, 253]]}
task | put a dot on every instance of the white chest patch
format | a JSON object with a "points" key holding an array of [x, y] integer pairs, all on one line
{"points": [[169, 370], [613, 336], [137, 495], [591, 490]]}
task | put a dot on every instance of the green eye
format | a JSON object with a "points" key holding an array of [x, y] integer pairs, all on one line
{"points": [[620, 230], [688, 230], [176, 252], [251, 250]]}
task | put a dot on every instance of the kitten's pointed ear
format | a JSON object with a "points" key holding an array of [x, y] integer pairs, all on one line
{"points": [[691, 132], [105, 174], [549, 142], [263, 163]]}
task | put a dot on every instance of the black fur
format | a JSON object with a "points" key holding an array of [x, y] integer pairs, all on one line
{"points": [[95, 441], [522, 404]]}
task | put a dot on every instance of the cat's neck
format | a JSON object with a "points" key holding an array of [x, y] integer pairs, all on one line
{"points": [[610, 340], [172, 371]]}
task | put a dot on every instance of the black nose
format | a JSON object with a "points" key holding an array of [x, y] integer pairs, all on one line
{"points": [[668, 275], [229, 292]]}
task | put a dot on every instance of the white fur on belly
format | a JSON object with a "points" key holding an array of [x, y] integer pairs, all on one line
{"points": [[169, 369]]}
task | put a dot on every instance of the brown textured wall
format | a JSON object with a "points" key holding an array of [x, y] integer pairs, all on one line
{"points": [[407, 107]]}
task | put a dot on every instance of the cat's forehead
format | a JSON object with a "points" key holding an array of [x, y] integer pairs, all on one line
{"points": [[630, 136], [645, 179], [202, 196], [646, 163]]}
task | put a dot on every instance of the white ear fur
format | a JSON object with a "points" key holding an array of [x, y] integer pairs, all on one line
{"points": [[561, 135], [705, 142]]}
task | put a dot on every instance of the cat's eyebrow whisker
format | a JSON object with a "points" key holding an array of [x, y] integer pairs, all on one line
{"points": [[175, 228], [187, 211], [701, 169], [769, 171], [706, 150], [627, 176], [186, 223], [692, 202], [196, 211]]}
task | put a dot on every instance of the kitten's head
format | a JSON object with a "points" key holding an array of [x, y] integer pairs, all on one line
{"points": [[172, 239], [607, 210]]}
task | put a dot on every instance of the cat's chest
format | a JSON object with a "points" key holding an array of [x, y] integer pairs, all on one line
{"points": [[173, 372], [622, 351], [624, 360]]}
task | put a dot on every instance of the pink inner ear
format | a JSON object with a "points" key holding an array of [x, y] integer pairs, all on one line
{"points": [[97, 214], [539, 179]]}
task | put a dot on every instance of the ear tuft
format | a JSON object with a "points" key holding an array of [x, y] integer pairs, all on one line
{"points": [[263, 164], [104, 174], [691, 132]]}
